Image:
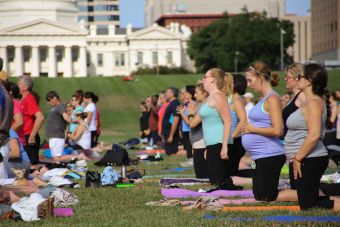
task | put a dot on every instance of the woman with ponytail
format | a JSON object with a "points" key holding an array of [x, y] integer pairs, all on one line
{"points": [[307, 125], [261, 135], [216, 121]]}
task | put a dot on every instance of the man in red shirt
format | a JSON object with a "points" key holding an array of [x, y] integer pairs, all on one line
{"points": [[33, 118]]}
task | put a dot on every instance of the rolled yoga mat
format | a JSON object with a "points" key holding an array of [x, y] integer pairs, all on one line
{"points": [[261, 208], [184, 193]]}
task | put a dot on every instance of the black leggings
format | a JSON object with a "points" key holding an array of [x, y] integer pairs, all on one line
{"points": [[186, 144], [308, 185], [235, 153], [32, 150], [291, 176], [218, 173], [94, 138], [266, 177], [200, 164]]}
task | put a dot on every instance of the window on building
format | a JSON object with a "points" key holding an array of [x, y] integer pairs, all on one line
{"points": [[100, 59], [59, 54], [140, 58], [43, 54], [119, 59], [27, 54], [169, 58], [75, 54], [10, 54], [155, 58]]}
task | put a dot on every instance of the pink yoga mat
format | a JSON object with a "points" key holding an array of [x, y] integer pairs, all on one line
{"points": [[184, 193], [63, 212]]}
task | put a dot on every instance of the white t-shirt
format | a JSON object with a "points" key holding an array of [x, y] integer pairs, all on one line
{"points": [[248, 108], [91, 107]]}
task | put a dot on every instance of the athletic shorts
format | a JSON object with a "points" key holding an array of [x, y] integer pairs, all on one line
{"points": [[56, 146]]}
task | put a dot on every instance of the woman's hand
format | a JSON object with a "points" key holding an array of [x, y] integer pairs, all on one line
{"points": [[192, 108], [224, 152], [247, 128], [297, 169], [180, 110]]}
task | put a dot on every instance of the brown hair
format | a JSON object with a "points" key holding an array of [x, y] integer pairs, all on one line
{"points": [[200, 86], [261, 69], [223, 80], [295, 69], [82, 115]]}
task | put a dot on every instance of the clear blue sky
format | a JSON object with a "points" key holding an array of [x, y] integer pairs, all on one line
{"points": [[132, 11]]}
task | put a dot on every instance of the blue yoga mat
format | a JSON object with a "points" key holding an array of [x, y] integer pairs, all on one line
{"points": [[303, 218], [178, 169]]}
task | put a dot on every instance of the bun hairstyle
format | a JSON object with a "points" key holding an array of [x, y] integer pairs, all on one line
{"points": [[82, 115], [318, 77], [224, 81], [295, 69], [261, 69]]}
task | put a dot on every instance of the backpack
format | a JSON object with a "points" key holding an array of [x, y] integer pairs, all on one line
{"points": [[116, 156]]}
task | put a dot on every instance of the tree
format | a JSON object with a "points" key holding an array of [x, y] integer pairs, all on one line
{"points": [[252, 35]]}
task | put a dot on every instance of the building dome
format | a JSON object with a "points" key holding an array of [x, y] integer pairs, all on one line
{"points": [[21, 11]]}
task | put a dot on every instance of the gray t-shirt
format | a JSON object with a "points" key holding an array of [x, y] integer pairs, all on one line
{"points": [[297, 132], [55, 124]]}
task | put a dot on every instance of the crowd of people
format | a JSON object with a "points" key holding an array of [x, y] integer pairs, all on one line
{"points": [[217, 122]]}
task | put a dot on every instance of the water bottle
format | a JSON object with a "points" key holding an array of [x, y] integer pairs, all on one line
{"points": [[123, 172]]}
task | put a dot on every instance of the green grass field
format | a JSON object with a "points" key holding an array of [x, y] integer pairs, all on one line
{"points": [[125, 207]]}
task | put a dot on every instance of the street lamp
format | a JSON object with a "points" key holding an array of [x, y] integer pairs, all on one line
{"points": [[235, 60], [282, 32]]}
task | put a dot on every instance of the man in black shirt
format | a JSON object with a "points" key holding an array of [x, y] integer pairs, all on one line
{"points": [[170, 122]]}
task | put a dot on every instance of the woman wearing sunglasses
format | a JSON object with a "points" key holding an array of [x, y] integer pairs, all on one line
{"points": [[307, 126], [261, 135]]}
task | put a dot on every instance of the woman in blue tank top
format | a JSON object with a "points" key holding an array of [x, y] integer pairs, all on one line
{"points": [[216, 122], [260, 135]]}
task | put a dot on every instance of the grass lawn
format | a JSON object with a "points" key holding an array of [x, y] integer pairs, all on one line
{"points": [[125, 207]]}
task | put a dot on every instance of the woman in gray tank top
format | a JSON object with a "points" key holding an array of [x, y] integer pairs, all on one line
{"points": [[306, 128]]}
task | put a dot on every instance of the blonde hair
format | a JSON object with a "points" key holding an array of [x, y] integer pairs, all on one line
{"points": [[295, 69], [224, 81]]}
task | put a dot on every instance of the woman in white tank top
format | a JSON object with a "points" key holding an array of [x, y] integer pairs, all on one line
{"points": [[82, 134]]}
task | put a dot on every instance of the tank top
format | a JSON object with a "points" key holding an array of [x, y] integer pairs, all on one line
{"points": [[212, 125], [85, 139], [234, 122], [260, 146], [297, 132], [287, 111]]}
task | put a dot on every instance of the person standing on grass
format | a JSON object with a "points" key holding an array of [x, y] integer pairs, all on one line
{"points": [[170, 131], [91, 109], [261, 135], [162, 104], [216, 121], [33, 119], [151, 103]]}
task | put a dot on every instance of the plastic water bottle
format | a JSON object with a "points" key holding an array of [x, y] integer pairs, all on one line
{"points": [[123, 172]]}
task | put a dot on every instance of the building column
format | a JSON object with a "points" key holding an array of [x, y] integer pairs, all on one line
{"points": [[19, 60], [52, 71], [35, 61], [3, 55], [68, 62], [83, 62]]}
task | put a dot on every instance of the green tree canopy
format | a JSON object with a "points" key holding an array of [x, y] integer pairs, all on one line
{"points": [[252, 35]]}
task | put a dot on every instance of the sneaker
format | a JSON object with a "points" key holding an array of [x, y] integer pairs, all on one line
{"points": [[188, 163]]}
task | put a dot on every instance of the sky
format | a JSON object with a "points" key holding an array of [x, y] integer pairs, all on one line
{"points": [[132, 11]]}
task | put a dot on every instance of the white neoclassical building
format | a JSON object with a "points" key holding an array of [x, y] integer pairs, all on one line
{"points": [[43, 38]]}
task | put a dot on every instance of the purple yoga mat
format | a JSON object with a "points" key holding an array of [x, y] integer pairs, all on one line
{"points": [[184, 193], [63, 212]]}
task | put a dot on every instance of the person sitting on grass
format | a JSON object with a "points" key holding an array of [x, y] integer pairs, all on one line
{"points": [[81, 135], [55, 128]]}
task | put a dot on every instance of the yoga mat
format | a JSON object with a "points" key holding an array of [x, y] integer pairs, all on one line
{"points": [[303, 218], [285, 169], [170, 175], [151, 151], [171, 181], [208, 216], [225, 201], [179, 169], [261, 208], [184, 193]]}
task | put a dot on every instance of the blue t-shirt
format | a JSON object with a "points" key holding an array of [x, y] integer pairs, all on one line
{"points": [[74, 125], [14, 135]]}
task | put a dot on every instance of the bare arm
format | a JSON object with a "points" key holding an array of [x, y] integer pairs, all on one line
{"points": [[242, 116], [14, 149], [67, 118], [39, 118], [174, 126], [18, 121], [77, 133], [274, 107], [313, 115], [88, 118]]}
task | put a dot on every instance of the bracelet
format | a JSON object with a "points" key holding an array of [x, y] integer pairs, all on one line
{"points": [[297, 159], [190, 115]]}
